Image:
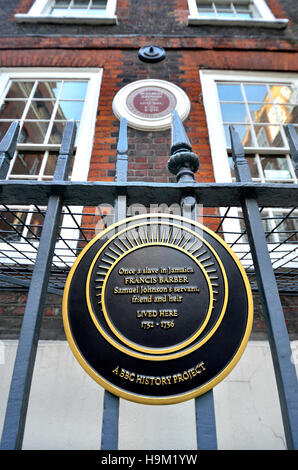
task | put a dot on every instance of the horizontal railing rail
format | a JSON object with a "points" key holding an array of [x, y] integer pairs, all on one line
{"points": [[93, 193]]}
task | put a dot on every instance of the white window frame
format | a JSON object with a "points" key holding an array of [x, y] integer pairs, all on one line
{"points": [[83, 146], [39, 12], [265, 17], [217, 139]]}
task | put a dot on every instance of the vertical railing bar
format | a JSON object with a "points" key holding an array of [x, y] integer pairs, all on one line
{"points": [[293, 144], [7, 148], [16, 411], [184, 163], [276, 327], [110, 418]]}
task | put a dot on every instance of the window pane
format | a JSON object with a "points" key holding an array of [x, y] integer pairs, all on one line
{"points": [[73, 90], [35, 225], [78, 11], [225, 7], [245, 16], [263, 113], [287, 114], [34, 132], [11, 225], [80, 3], [229, 92], [233, 112], [27, 163], [99, 3], [205, 6], [242, 8], [269, 136], [57, 132], [287, 228], [40, 110], [275, 168], [47, 90], [252, 163], [51, 164], [20, 90], [257, 93], [207, 14], [69, 110], [12, 109], [244, 134], [62, 2], [96, 11], [284, 94], [222, 14], [4, 126], [59, 11]]}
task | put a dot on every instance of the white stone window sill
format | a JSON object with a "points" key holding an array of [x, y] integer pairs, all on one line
{"points": [[254, 22], [23, 18]]}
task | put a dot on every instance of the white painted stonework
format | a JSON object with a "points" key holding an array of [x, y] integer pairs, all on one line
{"points": [[65, 407]]}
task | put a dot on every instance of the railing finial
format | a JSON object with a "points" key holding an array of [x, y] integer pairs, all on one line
{"points": [[183, 162], [242, 170], [122, 149]]}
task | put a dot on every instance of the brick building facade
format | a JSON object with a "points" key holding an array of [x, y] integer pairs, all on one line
{"points": [[33, 43], [237, 62]]}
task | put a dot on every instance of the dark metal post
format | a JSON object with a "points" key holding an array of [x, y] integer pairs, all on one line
{"points": [[14, 424], [293, 144], [121, 170], [110, 418], [277, 332], [184, 163], [7, 148]]}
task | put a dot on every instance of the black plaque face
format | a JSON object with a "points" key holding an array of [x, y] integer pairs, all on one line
{"points": [[157, 309]]}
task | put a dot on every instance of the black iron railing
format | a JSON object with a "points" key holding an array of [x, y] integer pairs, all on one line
{"points": [[38, 257]]}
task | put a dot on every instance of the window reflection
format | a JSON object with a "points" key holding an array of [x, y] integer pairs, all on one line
{"points": [[229, 92], [69, 110], [78, 7], [225, 10], [232, 112], [35, 132], [73, 91], [265, 109], [47, 89], [275, 168], [12, 109], [27, 163], [40, 106], [256, 93], [20, 89], [40, 110], [12, 225]]}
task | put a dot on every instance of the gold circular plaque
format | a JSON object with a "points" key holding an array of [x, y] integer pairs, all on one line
{"points": [[157, 309]]}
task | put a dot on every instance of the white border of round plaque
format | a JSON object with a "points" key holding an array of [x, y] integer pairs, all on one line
{"points": [[157, 99]]}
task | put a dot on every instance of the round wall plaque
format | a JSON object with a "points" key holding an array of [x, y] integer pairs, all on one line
{"points": [[157, 309], [148, 104]]}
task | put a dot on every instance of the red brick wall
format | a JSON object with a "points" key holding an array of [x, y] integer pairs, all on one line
{"points": [[12, 307]]}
